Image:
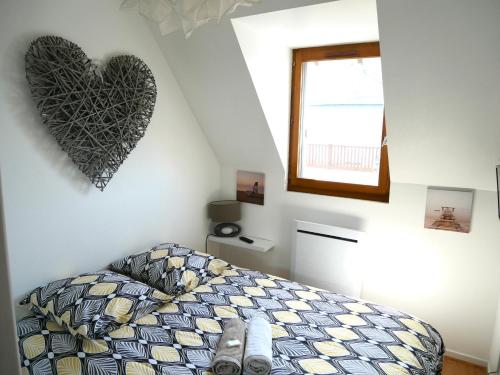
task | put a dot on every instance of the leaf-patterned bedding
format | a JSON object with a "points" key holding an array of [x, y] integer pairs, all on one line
{"points": [[314, 332]]}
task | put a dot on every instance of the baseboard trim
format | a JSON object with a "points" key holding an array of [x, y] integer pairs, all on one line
{"points": [[466, 358]]}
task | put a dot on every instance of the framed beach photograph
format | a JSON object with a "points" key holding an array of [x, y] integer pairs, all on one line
{"points": [[250, 187], [449, 209]]}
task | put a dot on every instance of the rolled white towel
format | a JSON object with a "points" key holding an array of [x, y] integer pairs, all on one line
{"points": [[258, 359]]}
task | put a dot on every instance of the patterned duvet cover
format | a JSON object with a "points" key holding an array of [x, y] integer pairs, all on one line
{"points": [[314, 332]]}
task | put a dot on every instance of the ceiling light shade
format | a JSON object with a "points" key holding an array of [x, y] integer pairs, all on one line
{"points": [[172, 15], [224, 211]]}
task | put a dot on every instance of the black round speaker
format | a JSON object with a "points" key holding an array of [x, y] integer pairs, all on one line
{"points": [[227, 230]]}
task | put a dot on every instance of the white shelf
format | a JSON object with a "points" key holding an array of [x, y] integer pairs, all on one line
{"points": [[260, 244]]}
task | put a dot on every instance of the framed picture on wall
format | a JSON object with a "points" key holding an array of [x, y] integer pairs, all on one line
{"points": [[449, 209], [498, 189], [250, 187]]}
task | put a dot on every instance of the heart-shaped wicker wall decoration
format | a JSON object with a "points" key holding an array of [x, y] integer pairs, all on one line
{"points": [[97, 116]]}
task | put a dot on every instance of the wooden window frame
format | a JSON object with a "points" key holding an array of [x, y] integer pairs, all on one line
{"points": [[378, 193]]}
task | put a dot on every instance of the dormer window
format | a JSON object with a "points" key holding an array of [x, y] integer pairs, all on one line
{"points": [[337, 122]]}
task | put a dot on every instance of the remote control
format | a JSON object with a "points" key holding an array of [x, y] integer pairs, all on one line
{"points": [[245, 239]]}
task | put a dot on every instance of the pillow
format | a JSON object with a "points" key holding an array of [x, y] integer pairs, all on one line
{"points": [[171, 268], [92, 304]]}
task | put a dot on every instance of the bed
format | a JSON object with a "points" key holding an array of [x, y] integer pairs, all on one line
{"points": [[314, 332]]}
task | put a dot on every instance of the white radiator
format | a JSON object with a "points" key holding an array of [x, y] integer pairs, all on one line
{"points": [[328, 257]]}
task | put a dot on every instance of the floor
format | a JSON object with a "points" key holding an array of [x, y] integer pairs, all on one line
{"points": [[454, 366]]}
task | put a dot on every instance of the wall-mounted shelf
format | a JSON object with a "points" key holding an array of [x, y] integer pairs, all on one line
{"points": [[260, 244]]}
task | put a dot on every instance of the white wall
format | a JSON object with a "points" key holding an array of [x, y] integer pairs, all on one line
{"points": [[449, 279], [494, 361], [264, 57], [442, 114], [9, 356], [57, 223]]}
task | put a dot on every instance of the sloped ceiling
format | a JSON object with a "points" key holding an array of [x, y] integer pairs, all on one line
{"points": [[441, 85], [442, 90], [212, 72]]}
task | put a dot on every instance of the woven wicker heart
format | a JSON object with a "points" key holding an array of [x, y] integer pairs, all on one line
{"points": [[97, 116]]}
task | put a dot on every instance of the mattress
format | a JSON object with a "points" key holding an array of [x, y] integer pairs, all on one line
{"points": [[314, 332]]}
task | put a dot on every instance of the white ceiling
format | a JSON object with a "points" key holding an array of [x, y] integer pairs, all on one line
{"points": [[334, 22]]}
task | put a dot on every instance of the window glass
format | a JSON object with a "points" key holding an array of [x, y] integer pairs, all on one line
{"points": [[342, 110]]}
